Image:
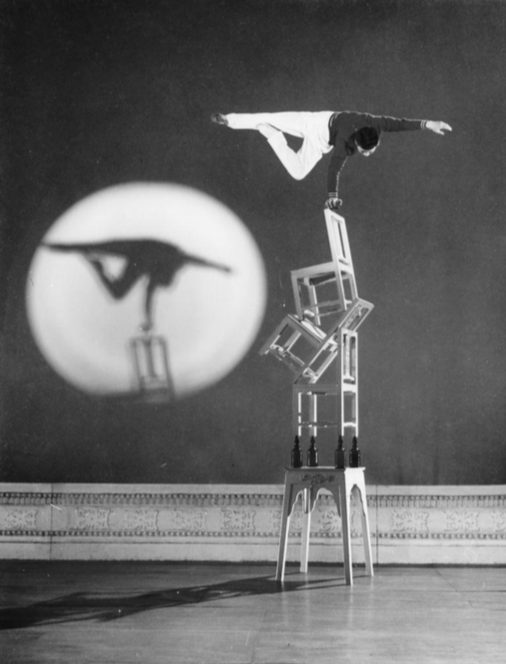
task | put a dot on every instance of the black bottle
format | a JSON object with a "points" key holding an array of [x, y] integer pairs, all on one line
{"points": [[296, 454], [354, 454], [312, 453], [339, 455]]}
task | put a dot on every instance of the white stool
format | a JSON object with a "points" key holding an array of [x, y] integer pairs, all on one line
{"points": [[341, 483]]}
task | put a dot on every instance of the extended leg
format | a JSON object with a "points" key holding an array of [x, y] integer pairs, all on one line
{"points": [[290, 123]]}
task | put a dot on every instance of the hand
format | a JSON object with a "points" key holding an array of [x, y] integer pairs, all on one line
{"points": [[438, 127], [146, 327], [333, 203]]}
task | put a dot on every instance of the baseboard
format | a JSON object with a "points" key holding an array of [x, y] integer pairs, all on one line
{"points": [[409, 524]]}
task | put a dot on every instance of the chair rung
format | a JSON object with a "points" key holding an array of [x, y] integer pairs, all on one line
{"points": [[318, 423]]}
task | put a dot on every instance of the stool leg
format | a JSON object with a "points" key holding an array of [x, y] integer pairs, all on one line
{"points": [[366, 536], [345, 520], [285, 524], [306, 527]]}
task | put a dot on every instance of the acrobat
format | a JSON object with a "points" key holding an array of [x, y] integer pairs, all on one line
{"points": [[344, 133], [156, 260]]}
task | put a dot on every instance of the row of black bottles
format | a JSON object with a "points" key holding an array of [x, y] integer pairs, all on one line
{"points": [[339, 454]]}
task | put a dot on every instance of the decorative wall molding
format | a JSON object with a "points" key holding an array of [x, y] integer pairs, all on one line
{"points": [[415, 525]]}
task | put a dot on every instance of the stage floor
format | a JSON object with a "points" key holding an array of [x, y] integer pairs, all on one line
{"points": [[154, 612]]}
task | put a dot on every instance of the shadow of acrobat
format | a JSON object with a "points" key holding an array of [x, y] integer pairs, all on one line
{"points": [[103, 607]]}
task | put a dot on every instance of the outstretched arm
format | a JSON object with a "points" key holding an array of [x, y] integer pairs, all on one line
{"points": [[389, 124], [336, 164], [194, 260]]}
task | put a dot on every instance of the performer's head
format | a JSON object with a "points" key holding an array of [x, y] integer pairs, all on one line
{"points": [[367, 140]]}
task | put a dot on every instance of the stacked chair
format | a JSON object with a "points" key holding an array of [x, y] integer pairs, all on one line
{"points": [[323, 334]]}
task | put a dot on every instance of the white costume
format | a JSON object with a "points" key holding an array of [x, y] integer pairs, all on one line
{"points": [[313, 128]]}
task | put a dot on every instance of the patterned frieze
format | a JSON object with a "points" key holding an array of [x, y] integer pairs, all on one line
{"points": [[105, 514], [21, 519], [451, 514], [24, 498], [442, 500], [197, 519], [166, 499]]}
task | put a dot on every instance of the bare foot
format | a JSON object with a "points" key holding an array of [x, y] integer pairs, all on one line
{"points": [[220, 119]]}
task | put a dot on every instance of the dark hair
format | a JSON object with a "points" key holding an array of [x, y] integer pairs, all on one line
{"points": [[367, 138]]}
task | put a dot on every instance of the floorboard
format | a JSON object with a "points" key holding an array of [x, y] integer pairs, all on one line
{"points": [[161, 612]]}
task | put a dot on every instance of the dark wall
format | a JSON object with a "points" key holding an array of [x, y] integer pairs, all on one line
{"points": [[96, 93]]}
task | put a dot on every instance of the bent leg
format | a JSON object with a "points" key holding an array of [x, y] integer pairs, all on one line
{"points": [[300, 163], [116, 287]]}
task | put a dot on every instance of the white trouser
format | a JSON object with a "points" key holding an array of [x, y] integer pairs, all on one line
{"points": [[313, 128]]}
